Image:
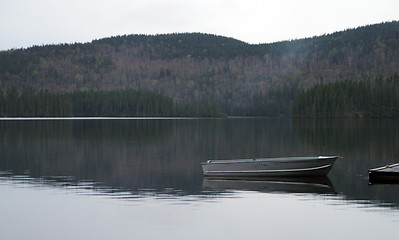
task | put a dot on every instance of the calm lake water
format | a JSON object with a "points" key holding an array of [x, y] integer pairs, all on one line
{"points": [[142, 179]]}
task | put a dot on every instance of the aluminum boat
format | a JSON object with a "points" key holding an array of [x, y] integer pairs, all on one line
{"points": [[266, 167]]}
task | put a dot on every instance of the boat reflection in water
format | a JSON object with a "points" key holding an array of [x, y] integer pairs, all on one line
{"points": [[317, 185]]}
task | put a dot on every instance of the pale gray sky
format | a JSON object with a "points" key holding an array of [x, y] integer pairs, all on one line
{"points": [[24, 23]]}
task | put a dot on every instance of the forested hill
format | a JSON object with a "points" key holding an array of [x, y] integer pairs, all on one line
{"points": [[239, 78]]}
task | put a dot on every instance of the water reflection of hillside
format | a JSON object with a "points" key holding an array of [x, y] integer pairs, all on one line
{"points": [[134, 154], [122, 153], [164, 154], [374, 137]]}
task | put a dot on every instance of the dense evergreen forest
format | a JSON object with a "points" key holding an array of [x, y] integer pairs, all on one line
{"points": [[203, 70], [88, 103], [370, 99]]}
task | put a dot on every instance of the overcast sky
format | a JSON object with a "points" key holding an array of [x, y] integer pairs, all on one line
{"points": [[24, 23]]}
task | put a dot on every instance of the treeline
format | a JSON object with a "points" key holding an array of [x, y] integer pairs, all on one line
{"points": [[368, 99], [88, 103]]}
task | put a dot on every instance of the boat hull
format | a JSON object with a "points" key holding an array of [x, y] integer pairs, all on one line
{"points": [[270, 167]]}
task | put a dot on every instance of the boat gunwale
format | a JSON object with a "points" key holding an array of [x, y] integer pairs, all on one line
{"points": [[280, 160], [381, 169]]}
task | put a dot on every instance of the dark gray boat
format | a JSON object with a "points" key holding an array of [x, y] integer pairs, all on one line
{"points": [[270, 167], [385, 174]]}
